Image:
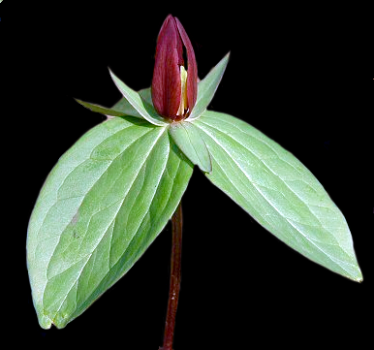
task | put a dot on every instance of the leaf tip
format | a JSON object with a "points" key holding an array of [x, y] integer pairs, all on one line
{"points": [[224, 61], [357, 275], [118, 83], [80, 102], [359, 278], [206, 167], [206, 170], [114, 77], [45, 322]]}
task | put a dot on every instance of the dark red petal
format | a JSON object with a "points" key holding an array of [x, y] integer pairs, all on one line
{"points": [[191, 68], [166, 84]]}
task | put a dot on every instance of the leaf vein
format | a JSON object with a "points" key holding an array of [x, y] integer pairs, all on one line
{"points": [[275, 208]]}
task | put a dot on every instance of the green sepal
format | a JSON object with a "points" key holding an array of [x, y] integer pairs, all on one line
{"points": [[125, 107], [145, 109], [109, 111], [207, 88]]}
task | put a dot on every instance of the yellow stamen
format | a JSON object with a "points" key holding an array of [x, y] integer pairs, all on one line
{"points": [[183, 103]]}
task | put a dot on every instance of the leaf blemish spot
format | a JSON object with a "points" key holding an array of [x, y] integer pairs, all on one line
{"points": [[75, 219]]}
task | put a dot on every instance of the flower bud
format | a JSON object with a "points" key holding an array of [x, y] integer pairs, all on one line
{"points": [[174, 84]]}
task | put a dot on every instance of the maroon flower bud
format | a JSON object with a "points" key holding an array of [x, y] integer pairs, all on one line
{"points": [[174, 90]]}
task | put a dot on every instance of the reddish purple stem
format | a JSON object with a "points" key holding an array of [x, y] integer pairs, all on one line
{"points": [[175, 278]]}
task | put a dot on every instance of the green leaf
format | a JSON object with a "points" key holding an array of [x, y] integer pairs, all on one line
{"points": [[207, 88], [103, 204], [146, 95], [279, 192], [145, 109], [110, 111], [188, 139], [125, 107]]}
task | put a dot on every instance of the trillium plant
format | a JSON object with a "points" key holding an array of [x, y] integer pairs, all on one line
{"points": [[113, 192]]}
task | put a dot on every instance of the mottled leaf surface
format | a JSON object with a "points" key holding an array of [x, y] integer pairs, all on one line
{"points": [[103, 204], [278, 191]]}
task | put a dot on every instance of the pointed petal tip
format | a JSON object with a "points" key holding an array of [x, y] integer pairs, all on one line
{"points": [[166, 81], [168, 18], [192, 66]]}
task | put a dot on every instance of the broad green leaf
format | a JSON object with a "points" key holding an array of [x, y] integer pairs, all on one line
{"points": [[278, 191], [208, 87], [111, 111], [188, 139], [145, 109], [103, 204]]}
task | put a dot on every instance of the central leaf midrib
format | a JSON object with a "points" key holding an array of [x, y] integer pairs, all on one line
{"points": [[264, 141], [88, 191], [154, 193], [124, 197], [67, 175], [265, 165], [309, 240], [137, 230], [191, 143], [209, 115], [90, 254], [136, 233]]}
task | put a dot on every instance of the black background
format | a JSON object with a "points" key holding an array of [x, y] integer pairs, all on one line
{"points": [[294, 73]]}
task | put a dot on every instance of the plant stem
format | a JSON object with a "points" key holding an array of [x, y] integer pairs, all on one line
{"points": [[175, 278]]}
